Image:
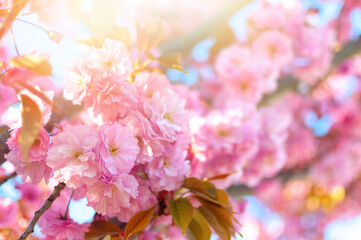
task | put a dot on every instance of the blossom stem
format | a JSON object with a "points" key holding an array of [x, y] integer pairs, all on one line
{"points": [[13, 37], [67, 207], [41, 211], [33, 24]]}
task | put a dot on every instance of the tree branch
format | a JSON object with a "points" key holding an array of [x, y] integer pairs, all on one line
{"points": [[4, 179], [187, 41], [16, 7], [40, 212], [4, 149], [290, 83]]}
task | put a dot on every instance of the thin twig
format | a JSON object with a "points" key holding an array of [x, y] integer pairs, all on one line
{"points": [[32, 24], [5, 179], [16, 7], [40, 212], [67, 207], [13, 37]]}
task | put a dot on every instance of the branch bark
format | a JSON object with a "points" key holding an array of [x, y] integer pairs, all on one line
{"points": [[5, 179], [16, 7], [40, 212], [187, 41], [290, 83]]}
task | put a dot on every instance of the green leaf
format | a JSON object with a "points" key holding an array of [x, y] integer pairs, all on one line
{"points": [[198, 228], [182, 212], [31, 125], [36, 63], [104, 15], [221, 229], [101, 228], [138, 222]]}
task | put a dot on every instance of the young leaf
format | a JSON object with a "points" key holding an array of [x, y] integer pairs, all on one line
{"points": [[198, 228], [221, 229], [224, 37], [138, 222], [149, 36], [210, 188], [182, 212], [36, 63], [31, 120], [196, 186], [101, 228], [222, 214], [155, 32], [120, 33], [222, 176], [171, 61], [96, 41], [222, 198]]}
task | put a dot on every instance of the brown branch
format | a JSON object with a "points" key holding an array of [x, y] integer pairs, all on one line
{"points": [[16, 7], [187, 41], [4, 149], [290, 83], [4, 179], [40, 212]]}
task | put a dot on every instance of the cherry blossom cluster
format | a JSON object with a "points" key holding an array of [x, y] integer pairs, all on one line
{"points": [[137, 136]]}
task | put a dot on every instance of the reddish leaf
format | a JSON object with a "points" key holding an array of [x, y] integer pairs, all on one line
{"points": [[31, 120], [138, 222], [36, 63], [100, 229]]}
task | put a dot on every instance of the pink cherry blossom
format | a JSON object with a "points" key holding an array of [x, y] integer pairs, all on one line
{"points": [[78, 82], [35, 168], [112, 59], [118, 150], [73, 157], [54, 225], [7, 98], [145, 200], [168, 171], [166, 111], [112, 98], [8, 212], [275, 46], [112, 193]]}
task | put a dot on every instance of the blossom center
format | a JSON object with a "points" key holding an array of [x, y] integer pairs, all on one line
{"points": [[108, 64], [168, 116], [113, 150], [76, 156]]}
